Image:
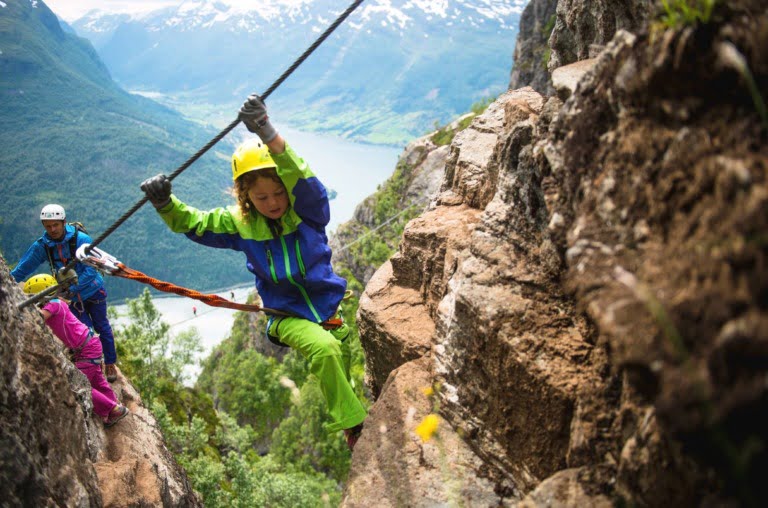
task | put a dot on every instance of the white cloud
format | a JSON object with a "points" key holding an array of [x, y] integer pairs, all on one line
{"points": [[70, 10]]}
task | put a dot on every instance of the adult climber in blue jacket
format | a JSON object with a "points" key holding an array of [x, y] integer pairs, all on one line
{"points": [[89, 297]]}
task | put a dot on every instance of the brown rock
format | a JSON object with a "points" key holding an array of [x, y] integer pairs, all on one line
{"points": [[565, 78], [55, 451], [395, 467], [600, 337]]}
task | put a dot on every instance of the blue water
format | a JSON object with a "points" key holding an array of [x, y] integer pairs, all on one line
{"points": [[354, 170]]}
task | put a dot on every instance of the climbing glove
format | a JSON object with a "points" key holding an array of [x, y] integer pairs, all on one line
{"points": [[158, 190], [254, 115]]}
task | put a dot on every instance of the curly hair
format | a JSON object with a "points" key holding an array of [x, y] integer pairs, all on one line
{"points": [[245, 182]]}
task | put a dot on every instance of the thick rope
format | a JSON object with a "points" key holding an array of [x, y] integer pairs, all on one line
{"points": [[212, 300], [226, 130]]}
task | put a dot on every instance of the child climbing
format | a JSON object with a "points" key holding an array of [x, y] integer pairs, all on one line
{"points": [[84, 347], [279, 224]]}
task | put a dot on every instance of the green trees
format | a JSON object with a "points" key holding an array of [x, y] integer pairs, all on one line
{"points": [[301, 438], [149, 354], [253, 431]]}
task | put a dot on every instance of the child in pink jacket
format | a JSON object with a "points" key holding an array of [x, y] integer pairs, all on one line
{"points": [[84, 347]]}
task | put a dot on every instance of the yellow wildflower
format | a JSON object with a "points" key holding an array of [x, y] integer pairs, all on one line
{"points": [[428, 391], [427, 427]]}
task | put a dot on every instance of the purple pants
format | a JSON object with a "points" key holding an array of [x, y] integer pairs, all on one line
{"points": [[104, 399]]}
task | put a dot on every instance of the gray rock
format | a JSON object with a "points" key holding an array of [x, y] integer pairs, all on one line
{"points": [[565, 78]]}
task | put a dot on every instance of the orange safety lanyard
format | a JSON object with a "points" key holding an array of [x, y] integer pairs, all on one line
{"points": [[212, 300]]}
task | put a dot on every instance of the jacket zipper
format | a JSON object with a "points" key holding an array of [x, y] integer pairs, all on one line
{"points": [[271, 264], [299, 286], [300, 261]]}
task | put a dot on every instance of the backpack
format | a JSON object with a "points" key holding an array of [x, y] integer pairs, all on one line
{"points": [[72, 245]]}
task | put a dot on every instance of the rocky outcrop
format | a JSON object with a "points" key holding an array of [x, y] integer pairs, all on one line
{"points": [[565, 79], [582, 28], [54, 451], [394, 467], [134, 466], [420, 171], [588, 290], [44, 438], [555, 33], [532, 52]]}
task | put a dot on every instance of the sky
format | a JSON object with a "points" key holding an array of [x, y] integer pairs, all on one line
{"points": [[70, 10]]}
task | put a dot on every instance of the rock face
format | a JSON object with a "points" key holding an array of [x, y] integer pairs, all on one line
{"points": [[43, 433], [54, 451], [554, 33], [396, 468], [421, 165], [532, 51], [134, 467], [583, 28], [587, 293]]}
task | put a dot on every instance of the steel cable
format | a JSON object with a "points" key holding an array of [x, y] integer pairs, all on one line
{"points": [[111, 229]]}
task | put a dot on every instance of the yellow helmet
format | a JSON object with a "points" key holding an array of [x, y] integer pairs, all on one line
{"points": [[251, 156], [38, 283]]}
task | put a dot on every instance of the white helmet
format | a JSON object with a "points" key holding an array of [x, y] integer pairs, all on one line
{"points": [[53, 212]]}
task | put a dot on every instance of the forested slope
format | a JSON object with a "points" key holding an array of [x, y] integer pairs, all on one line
{"points": [[69, 134]]}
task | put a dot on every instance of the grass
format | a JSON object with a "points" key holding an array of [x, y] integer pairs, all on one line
{"points": [[444, 135], [680, 13], [730, 56]]}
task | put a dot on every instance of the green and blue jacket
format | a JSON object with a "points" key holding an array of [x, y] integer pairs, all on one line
{"points": [[290, 257]]}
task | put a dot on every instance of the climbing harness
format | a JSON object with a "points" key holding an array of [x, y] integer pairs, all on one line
{"points": [[72, 246], [95, 361], [329, 324], [112, 266], [74, 353]]}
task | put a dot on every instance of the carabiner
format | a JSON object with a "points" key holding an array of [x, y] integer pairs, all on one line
{"points": [[98, 259]]}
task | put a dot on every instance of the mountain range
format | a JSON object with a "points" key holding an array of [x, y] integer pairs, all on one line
{"points": [[387, 74], [70, 135]]}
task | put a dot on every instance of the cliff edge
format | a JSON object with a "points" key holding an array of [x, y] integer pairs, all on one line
{"points": [[55, 452], [582, 309]]}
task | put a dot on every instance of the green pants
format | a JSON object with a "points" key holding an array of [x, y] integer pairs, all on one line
{"points": [[329, 357]]}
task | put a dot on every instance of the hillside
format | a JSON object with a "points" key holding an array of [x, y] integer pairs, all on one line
{"points": [[385, 76], [69, 134]]}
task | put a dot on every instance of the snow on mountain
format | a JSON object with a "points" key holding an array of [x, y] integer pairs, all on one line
{"points": [[394, 65], [245, 15]]}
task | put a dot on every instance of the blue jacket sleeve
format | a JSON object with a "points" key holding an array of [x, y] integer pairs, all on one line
{"points": [[307, 194], [29, 262]]}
